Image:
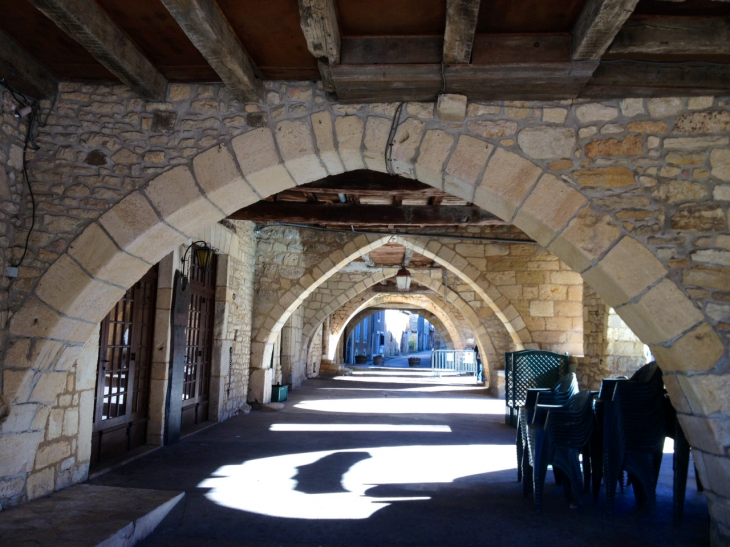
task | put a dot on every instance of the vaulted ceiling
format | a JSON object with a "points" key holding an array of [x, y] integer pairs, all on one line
{"points": [[379, 50]]}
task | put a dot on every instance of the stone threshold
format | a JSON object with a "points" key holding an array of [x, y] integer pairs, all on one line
{"points": [[121, 460], [87, 515]]}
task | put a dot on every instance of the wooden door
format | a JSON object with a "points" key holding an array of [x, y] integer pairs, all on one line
{"points": [[198, 346], [123, 372]]}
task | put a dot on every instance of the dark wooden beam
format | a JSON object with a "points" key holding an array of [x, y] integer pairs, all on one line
{"points": [[393, 50], [636, 79], [391, 289], [367, 183], [90, 26], [461, 24], [347, 214], [674, 36], [318, 19], [210, 32], [597, 26], [23, 72], [508, 81]]}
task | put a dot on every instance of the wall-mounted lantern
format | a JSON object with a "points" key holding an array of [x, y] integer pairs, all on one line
{"points": [[204, 254]]}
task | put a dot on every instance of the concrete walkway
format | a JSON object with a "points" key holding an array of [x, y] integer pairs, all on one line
{"points": [[365, 460]]}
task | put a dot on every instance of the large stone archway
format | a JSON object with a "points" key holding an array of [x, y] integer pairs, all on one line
{"points": [[570, 208], [442, 323], [483, 327]]}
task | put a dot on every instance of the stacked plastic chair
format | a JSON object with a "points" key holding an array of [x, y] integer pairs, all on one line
{"points": [[634, 428], [557, 395], [557, 436]]}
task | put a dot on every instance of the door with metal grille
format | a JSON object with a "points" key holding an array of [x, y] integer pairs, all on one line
{"points": [[198, 346], [123, 372]]}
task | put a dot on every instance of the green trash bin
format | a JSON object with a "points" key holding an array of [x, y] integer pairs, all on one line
{"points": [[279, 394]]}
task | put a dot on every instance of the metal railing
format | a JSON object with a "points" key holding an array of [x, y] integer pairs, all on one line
{"points": [[453, 361]]}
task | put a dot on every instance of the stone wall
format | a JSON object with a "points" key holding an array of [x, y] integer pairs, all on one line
{"points": [[632, 194], [314, 354], [46, 441], [293, 358], [234, 308], [611, 348], [14, 203]]}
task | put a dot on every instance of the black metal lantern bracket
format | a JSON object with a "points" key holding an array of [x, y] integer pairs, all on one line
{"points": [[203, 252]]}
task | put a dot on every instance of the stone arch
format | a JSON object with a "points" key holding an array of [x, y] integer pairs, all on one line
{"points": [[264, 338], [481, 334], [47, 333], [420, 277], [444, 329], [484, 343]]}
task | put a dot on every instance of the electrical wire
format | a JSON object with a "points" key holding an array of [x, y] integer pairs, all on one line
{"points": [[391, 139], [24, 100]]}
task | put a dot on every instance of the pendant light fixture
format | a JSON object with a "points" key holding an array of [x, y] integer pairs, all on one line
{"points": [[403, 280]]}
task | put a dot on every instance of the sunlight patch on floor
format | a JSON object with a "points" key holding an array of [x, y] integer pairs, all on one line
{"points": [[273, 486], [386, 428], [423, 389], [412, 379], [406, 405]]}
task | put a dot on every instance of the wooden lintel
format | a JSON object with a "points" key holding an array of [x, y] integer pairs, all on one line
{"points": [[636, 79], [390, 289], [367, 183], [461, 24], [598, 24], [348, 214], [23, 72], [209, 30], [514, 81], [90, 26], [674, 36]]}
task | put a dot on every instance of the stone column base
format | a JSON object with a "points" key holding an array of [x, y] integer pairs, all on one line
{"points": [[259, 390], [496, 383]]}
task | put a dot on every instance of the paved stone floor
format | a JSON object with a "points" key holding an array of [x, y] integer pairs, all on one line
{"points": [[370, 460]]}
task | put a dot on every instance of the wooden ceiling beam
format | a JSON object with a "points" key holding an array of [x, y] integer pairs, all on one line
{"points": [[318, 19], [209, 31], [348, 214], [461, 25], [87, 23], [636, 79], [597, 26], [519, 81], [23, 72], [674, 36]]}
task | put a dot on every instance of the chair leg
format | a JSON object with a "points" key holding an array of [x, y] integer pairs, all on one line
{"points": [[520, 448], [681, 467], [527, 474]]}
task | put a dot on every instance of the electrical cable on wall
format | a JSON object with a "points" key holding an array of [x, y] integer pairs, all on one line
{"points": [[28, 108]]}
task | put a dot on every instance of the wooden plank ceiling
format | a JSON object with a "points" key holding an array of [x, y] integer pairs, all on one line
{"points": [[376, 50], [367, 200]]}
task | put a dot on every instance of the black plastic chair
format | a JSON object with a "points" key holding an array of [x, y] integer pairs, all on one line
{"points": [[557, 395], [634, 428], [557, 436]]}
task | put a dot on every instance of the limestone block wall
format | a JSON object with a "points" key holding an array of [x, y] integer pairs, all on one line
{"points": [[234, 309], [13, 206], [46, 442], [293, 357], [611, 348], [314, 354], [633, 194]]}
